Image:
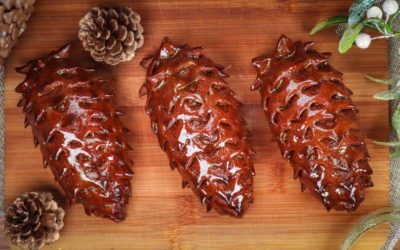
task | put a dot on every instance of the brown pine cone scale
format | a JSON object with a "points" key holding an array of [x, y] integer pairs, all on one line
{"points": [[75, 122], [194, 114], [314, 122]]}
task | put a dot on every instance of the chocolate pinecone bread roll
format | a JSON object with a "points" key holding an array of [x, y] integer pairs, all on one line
{"points": [[74, 120], [194, 114], [314, 122]]}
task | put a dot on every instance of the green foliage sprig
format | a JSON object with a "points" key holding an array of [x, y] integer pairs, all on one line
{"points": [[357, 22]]}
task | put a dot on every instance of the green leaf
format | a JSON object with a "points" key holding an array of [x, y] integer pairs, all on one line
{"points": [[388, 143], [393, 18], [373, 219], [395, 154], [358, 10], [396, 121], [379, 25], [377, 80], [349, 36], [388, 95], [371, 27], [335, 20]]}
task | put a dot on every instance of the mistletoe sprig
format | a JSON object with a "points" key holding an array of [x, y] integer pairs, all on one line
{"points": [[365, 15]]}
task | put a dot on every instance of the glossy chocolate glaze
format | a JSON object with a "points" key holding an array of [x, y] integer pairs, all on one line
{"points": [[314, 122], [194, 114], [74, 120]]}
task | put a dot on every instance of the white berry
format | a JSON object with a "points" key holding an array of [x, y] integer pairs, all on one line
{"points": [[363, 40], [374, 11], [390, 7]]}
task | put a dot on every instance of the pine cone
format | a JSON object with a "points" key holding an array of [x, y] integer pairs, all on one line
{"points": [[13, 17], [75, 122], [194, 114], [33, 220], [340, 28], [111, 33], [314, 121]]}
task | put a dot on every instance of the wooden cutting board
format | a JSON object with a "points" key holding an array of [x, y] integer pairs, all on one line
{"points": [[162, 215]]}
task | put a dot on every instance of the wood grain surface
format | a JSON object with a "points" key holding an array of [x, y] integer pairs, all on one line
{"points": [[161, 215]]}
